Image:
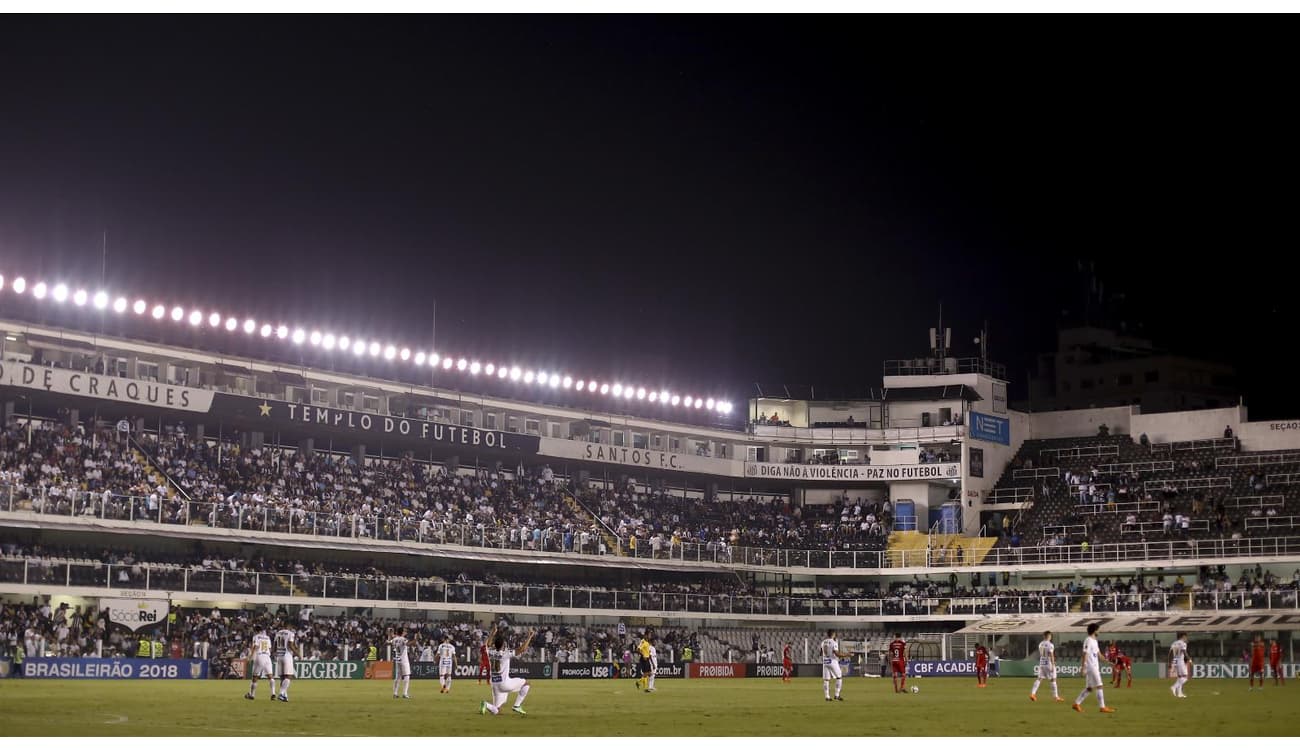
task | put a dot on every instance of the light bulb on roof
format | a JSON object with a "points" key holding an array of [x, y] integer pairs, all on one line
{"points": [[663, 396], [568, 381], [405, 354], [20, 284], [447, 363], [250, 325], [79, 298], [419, 358], [39, 290], [214, 319], [676, 399], [461, 364], [196, 318], [604, 389], [390, 351], [100, 300], [474, 368], [358, 347], [699, 402], [554, 380], [266, 330], [178, 314], [282, 332], [60, 292], [629, 392], [709, 403], [618, 389], [373, 348], [489, 368], [580, 385], [640, 394], [138, 307], [315, 338], [528, 376], [502, 372], [299, 335], [158, 312], [654, 396], [327, 341], [593, 386], [541, 377], [2, 281], [434, 359], [119, 305], [345, 343], [231, 324], [515, 373]]}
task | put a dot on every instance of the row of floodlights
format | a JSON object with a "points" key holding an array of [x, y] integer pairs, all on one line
{"points": [[61, 293]]}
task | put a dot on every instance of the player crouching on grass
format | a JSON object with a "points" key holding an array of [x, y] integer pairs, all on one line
{"points": [[1120, 663], [502, 683], [1091, 664]]}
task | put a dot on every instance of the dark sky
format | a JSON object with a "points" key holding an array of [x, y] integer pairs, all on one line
{"points": [[689, 201]]}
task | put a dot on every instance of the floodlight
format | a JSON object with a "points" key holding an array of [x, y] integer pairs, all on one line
{"points": [[214, 319], [447, 363], [60, 292], [266, 330], [282, 332], [474, 368], [419, 358], [640, 394], [618, 389], [528, 376], [299, 335], [39, 290], [158, 312], [604, 389], [405, 354], [327, 341], [554, 380], [709, 403], [654, 396], [374, 348], [314, 338], [119, 304], [178, 314], [20, 284], [250, 325], [100, 300], [359, 347], [489, 368], [231, 324], [390, 351], [461, 364], [79, 297], [515, 373], [139, 307], [196, 317], [568, 381], [676, 399]]}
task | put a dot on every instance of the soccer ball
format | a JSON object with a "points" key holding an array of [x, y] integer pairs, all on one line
{"points": [[916, 689]]}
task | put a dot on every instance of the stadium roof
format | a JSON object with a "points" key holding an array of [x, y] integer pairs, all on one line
{"points": [[850, 393]]}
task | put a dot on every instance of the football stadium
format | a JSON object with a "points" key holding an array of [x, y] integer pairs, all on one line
{"points": [[615, 378]]}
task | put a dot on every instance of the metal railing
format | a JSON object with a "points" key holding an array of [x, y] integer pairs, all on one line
{"points": [[1272, 522], [1259, 459], [844, 436], [1140, 506], [1138, 466], [1158, 527], [1194, 483], [1009, 495], [1255, 501], [1035, 473], [173, 579], [409, 530], [1274, 479], [1084, 451]]}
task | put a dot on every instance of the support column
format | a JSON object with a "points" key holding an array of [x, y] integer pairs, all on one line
{"points": [[307, 447]]}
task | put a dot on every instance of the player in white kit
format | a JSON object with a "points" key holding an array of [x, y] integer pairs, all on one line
{"points": [[502, 683], [446, 663], [286, 647], [654, 665], [1092, 672], [398, 648], [261, 663], [1178, 663], [831, 655], [1046, 668]]}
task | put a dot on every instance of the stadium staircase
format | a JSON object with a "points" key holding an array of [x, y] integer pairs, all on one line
{"points": [[907, 546], [606, 533], [156, 474]]}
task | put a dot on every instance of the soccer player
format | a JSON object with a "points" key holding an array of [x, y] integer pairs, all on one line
{"points": [[787, 664], [1275, 661], [502, 683], [1257, 661], [898, 662], [484, 661], [981, 666], [446, 663], [398, 647], [1046, 668], [261, 663], [654, 666], [831, 655], [1091, 664], [286, 646], [1120, 663], [1178, 664], [643, 666]]}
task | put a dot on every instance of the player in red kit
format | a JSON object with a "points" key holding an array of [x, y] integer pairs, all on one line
{"points": [[1120, 664], [1275, 661], [484, 663], [898, 662], [981, 666], [787, 664], [1257, 661]]}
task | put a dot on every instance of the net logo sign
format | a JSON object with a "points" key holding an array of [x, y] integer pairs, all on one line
{"points": [[990, 429]]}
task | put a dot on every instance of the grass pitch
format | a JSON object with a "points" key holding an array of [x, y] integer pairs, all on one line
{"points": [[763, 707]]}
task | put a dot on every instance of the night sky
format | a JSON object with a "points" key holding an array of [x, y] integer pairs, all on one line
{"points": [[694, 202]]}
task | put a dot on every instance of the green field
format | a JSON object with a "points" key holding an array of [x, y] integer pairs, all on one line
{"points": [[945, 706]]}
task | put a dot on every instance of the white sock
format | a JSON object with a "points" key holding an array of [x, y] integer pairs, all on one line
{"points": [[284, 687], [1101, 698], [252, 688], [1034, 690], [491, 705], [651, 684], [396, 681], [501, 699], [1055, 693], [1081, 697], [406, 685], [1178, 686], [523, 693], [839, 685], [826, 688]]}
